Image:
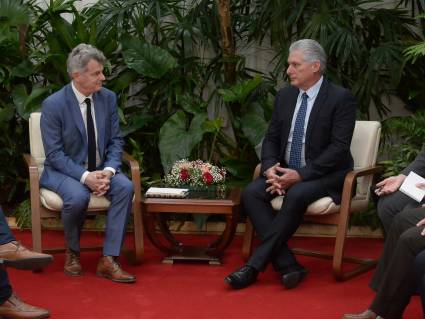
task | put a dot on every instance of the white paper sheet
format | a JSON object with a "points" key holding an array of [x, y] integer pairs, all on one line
{"points": [[409, 186]]}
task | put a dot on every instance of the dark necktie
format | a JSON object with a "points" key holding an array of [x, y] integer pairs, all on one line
{"points": [[91, 139], [297, 137]]}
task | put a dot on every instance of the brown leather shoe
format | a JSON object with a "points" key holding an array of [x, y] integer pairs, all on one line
{"points": [[72, 265], [14, 308], [110, 269], [15, 255], [367, 314]]}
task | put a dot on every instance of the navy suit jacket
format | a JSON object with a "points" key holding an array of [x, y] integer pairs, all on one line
{"points": [[328, 136], [65, 138]]}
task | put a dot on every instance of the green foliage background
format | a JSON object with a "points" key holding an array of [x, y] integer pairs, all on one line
{"points": [[167, 66]]}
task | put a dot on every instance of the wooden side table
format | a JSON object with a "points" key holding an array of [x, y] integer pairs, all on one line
{"points": [[154, 208]]}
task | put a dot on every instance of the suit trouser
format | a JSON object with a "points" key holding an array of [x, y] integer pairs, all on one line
{"points": [[420, 277], [276, 229], [394, 278], [76, 197], [6, 236], [390, 205]]}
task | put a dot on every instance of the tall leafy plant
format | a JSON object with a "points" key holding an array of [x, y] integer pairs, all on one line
{"points": [[364, 41], [406, 139], [18, 97]]}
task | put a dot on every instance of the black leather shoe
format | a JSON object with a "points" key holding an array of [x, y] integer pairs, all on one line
{"points": [[241, 278], [291, 279]]}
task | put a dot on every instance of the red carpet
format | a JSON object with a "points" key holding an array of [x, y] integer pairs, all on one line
{"points": [[193, 290]]}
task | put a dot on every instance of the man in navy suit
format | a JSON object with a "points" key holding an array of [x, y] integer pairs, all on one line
{"points": [[83, 146], [14, 254], [305, 156]]}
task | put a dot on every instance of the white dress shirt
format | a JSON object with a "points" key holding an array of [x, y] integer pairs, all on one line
{"points": [[83, 108], [312, 94]]}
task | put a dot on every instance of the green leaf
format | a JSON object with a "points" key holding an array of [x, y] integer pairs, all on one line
{"points": [[147, 59], [64, 31], [239, 168], [228, 95], [254, 128], [28, 103], [213, 126], [13, 13], [123, 80], [6, 114], [136, 122], [191, 103], [23, 69], [240, 91], [176, 141], [415, 51], [19, 96]]}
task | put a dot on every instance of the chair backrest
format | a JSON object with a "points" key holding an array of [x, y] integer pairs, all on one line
{"points": [[364, 148], [36, 143]]}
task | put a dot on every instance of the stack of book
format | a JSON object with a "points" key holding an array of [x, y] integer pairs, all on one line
{"points": [[167, 192]]}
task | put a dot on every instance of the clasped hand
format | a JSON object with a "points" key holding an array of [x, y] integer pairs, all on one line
{"points": [[98, 182], [280, 179]]}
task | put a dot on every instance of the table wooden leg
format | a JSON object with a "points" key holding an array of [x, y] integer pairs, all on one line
{"points": [[165, 231], [229, 232], [149, 221]]}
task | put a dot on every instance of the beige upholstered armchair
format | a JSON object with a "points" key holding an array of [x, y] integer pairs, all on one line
{"points": [[45, 203], [355, 198]]}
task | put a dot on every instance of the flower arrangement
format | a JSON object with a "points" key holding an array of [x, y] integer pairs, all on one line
{"points": [[196, 174]]}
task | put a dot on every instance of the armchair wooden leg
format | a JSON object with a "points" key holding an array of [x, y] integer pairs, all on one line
{"points": [[363, 264], [36, 227], [247, 240], [339, 258], [138, 234]]}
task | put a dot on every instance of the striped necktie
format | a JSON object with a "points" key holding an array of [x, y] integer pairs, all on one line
{"points": [[297, 137]]}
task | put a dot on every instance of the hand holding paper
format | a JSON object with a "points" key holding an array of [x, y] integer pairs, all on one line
{"points": [[410, 186], [389, 185]]}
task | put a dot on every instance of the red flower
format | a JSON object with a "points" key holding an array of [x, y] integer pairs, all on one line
{"points": [[184, 174], [208, 178]]}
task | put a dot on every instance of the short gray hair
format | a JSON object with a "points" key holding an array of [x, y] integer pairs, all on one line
{"points": [[81, 55], [312, 50]]}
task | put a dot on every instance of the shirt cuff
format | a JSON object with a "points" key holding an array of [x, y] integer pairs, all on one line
{"points": [[83, 177], [111, 169]]}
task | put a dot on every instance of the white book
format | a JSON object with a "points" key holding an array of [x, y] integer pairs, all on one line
{"points": [[166, 192], [410, 189]]}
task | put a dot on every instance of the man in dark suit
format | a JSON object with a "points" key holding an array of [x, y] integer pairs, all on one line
{"points": [[399, 270], [14, 254], [83, 146], [420, 277], [305, 156]]}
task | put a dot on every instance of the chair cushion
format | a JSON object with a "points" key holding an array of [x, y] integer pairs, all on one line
{"points": [[364, 148], [52, 201], [325, 205]]}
